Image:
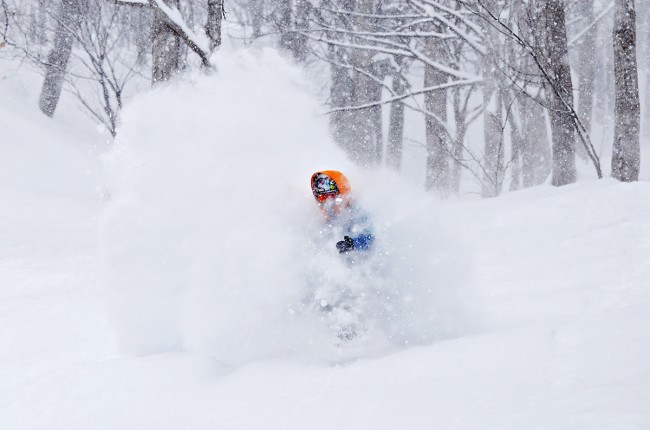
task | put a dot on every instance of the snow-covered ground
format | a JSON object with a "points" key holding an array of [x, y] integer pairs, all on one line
{"points": [[159, 285]]}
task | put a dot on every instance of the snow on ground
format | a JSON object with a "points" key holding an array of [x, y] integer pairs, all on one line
{"points": [[526, 311]]}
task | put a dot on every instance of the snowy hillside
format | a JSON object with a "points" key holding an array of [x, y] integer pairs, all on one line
{"points": [[161, 284]]}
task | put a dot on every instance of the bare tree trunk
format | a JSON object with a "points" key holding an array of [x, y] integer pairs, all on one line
{"points": [[493, 134], [586, 73], [492, 130], [460, 116], [142, 41], [647, 80], [57, 60], [213, 24], [40, 20], [285, 13], [604, 82], [535, 143], [560, 95], [626, 152], [293, 17], [377, 128], [302, 24], [536, 152], [364, 142], [517, 147], [341, 122], [166, 48], [256, 8], [435, 103], [396, 125]]}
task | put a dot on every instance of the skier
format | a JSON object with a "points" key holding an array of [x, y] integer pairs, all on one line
{"points": [[332, 192]]}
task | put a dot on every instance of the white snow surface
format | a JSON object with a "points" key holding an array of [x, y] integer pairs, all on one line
{"points": [[166, 283]]}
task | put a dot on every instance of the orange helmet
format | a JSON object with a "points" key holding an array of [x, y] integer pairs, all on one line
{"points": [[329, 183]]}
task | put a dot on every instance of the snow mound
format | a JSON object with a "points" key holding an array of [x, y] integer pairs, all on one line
{"points": [[206, 240]]}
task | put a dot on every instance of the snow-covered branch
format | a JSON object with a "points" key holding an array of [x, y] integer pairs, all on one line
{"points": [[409, 94], [173, 18]]}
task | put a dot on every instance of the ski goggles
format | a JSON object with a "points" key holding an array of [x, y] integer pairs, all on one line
{"points": [[324, 188]]}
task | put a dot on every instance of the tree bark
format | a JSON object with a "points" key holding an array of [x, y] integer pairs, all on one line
{"points": [[256, 10], [626, 156], [535, 144], [492, 132], [364, 145], [341, 96], [396, 125], [377, 129], [460, 116], [293, 16], [40, 20], [647, 78], [435, 103], [213, 24], [57, 60], [586, 73], [517, 144], [604, 81], [284, 17], [142, 18], [365, 139], [165, 46], [560, 94], [302, 24], [536, 152]]}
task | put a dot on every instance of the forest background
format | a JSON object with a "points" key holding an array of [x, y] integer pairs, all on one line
{"points": [[494, 95]]}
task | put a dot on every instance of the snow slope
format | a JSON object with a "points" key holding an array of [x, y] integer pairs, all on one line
{"points": [[210, 225], [526, 311]]}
